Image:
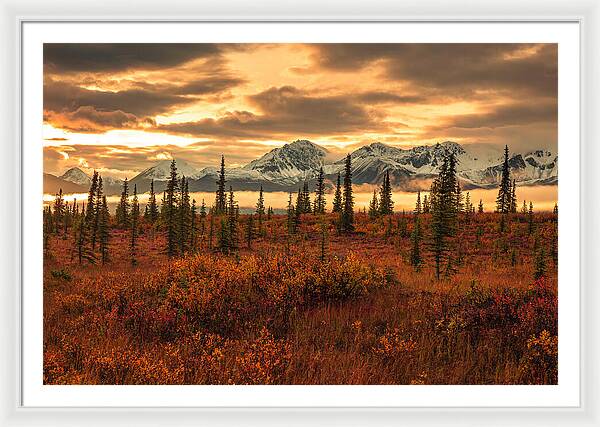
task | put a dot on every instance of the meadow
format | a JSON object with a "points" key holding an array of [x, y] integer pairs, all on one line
{"points": [[315, 307]]}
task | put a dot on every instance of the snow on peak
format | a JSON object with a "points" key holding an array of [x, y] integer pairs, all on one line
{"points": [[76, 176], [299, 158], [162, 170]]}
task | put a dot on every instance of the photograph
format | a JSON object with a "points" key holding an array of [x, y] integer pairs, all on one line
{"points": [[300, 213]]}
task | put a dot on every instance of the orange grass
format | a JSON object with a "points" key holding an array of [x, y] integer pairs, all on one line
{"points": [[277, 314]]}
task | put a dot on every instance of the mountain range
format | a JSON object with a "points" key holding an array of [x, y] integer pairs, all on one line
{"points": [[287, 167]]}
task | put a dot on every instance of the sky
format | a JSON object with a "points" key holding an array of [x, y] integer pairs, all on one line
{"points": [[121, 108]]}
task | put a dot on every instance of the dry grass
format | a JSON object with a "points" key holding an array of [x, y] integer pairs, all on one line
{"points": [[276, 314]]}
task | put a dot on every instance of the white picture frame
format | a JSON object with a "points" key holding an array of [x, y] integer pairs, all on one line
{"points": [[15, 14]]}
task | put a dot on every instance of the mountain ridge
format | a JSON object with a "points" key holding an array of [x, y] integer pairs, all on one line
{"points": [[286, 167]]}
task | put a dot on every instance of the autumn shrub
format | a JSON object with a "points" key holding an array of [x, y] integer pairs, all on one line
{"points": [[540, 362]]}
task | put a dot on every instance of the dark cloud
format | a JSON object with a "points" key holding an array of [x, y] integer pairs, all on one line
{"points": [[506, 115], [112, 57], [59, 96], [125, 108], [458, 68], [286, 111], [390, 98]]}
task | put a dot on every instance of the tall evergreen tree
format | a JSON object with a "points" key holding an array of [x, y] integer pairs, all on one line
{"points": [[91, 204], [260, 209], [480, 207], [337, 198], [425, 204], [402, 225], [193, 226], [319, 204], [347, 217], [306, 205], [504, 192], [184, 217], [152, 206], [443, 213], [555, 209], [59, 210], [386, 205], [170, 210], [232, 220], [291, 217], [122, 216], [530, 218], [418, 204], [135, 221], [374, 206], [97, 211], [221, 198], [415, 254], [103, 230]]}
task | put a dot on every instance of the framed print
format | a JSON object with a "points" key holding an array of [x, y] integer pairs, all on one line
{"points": [[353, 218]]}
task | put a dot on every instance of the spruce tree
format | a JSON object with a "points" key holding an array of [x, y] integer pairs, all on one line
{"points": [[269, 213], [337, 198], [306, 205], [319, 205], [480, 208], [97, 209], [193, 226], [260, 209], [524, 208], [291, 214], [202, 222], [221, 198], [504, 192], [184, 217], [386, 205], [152, 206], [232, 221], [374, 206], [347, 217], [170, 210], [59, 210], [103, 230], [418, 204], [415, 254], [425, 204], [444, 205], [91, 204], [530, 218], [555, 210], [122, 216], [135, 219]]}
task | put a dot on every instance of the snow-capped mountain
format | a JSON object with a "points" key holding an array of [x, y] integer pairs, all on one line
{"points": [[478, 165], [79, 177], [284, 168], [162, 170], [299, 160]]}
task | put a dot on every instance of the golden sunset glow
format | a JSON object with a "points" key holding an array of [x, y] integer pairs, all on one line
{"points": [[117, 108]]}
